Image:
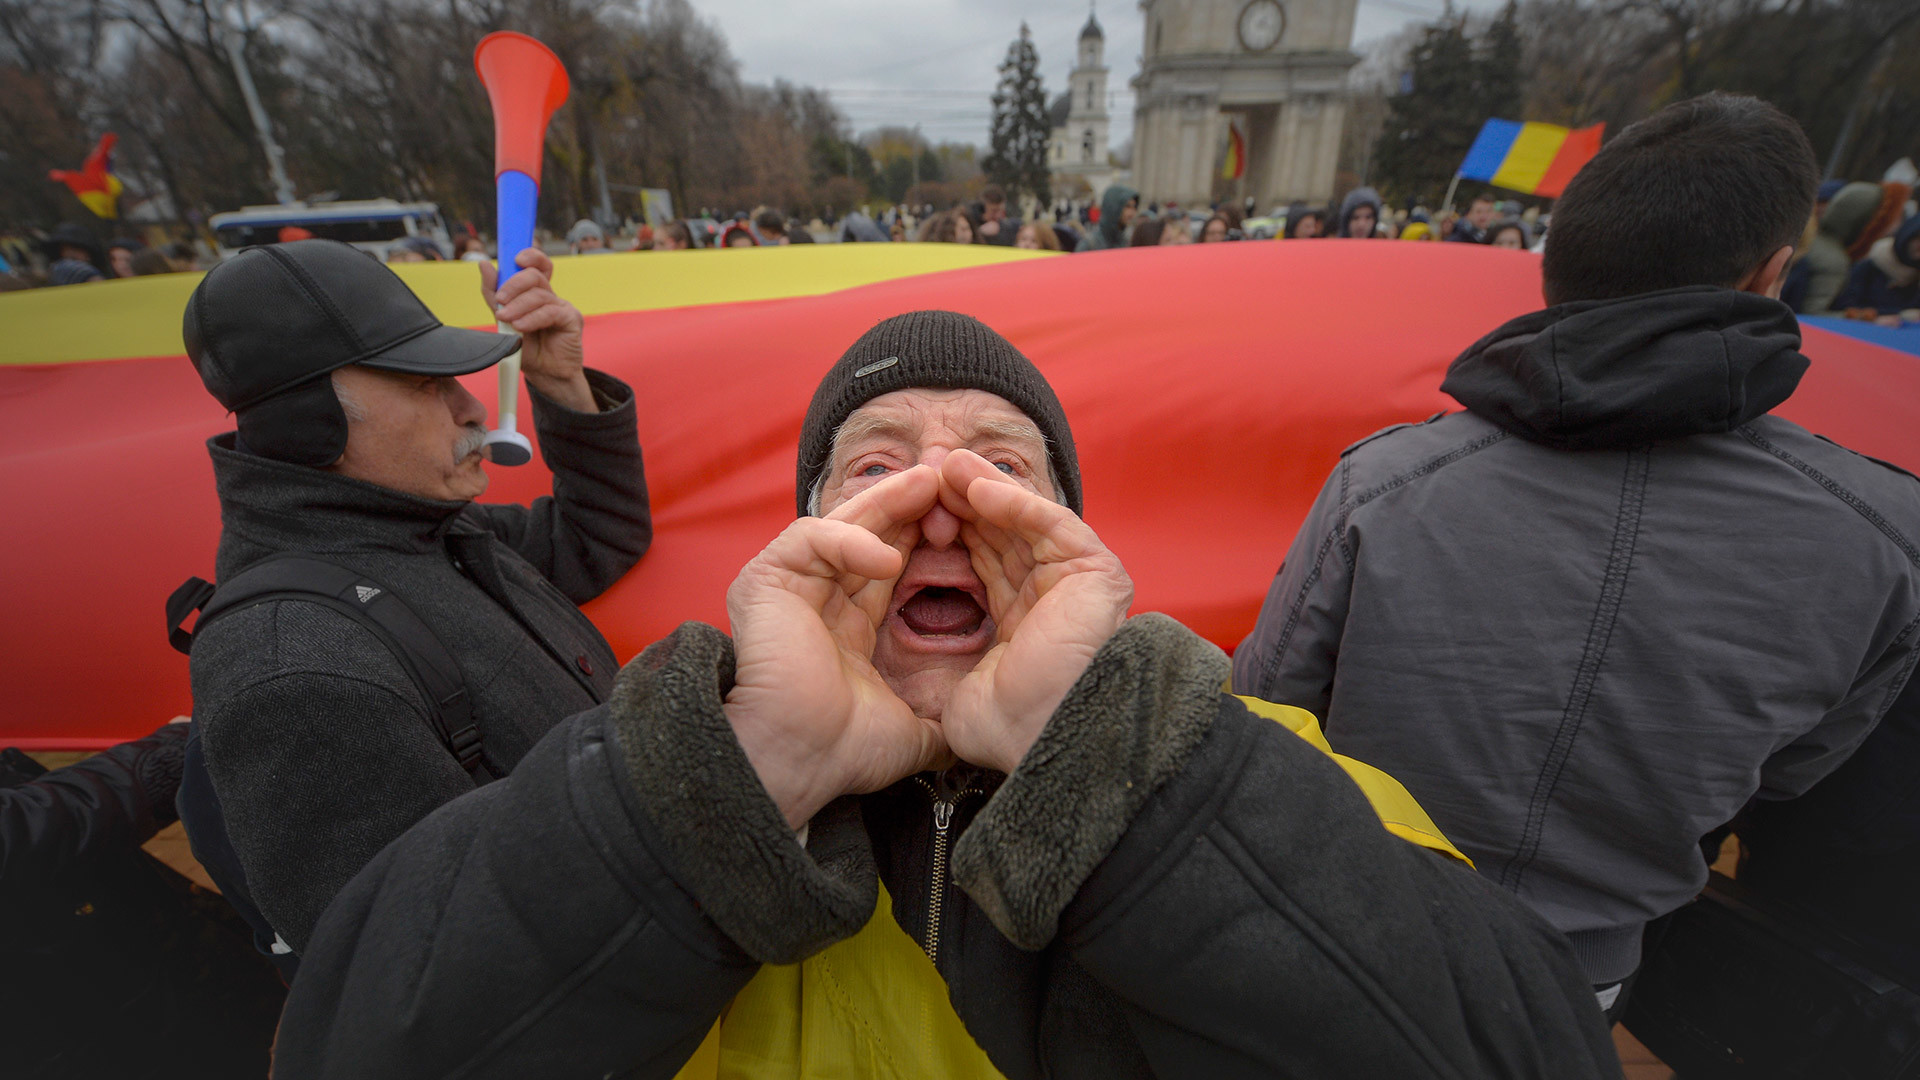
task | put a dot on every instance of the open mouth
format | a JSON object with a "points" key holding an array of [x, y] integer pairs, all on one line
{"points": [[941, 611]]}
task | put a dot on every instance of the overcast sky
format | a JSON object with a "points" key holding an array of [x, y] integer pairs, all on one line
{"points": [[934, 62]]}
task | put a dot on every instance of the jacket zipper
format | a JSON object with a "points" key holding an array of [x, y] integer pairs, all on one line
{"points": [[936, 896]]}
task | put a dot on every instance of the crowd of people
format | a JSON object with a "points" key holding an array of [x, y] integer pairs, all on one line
{"points": [[1857, 257], [1860, 255], [1430, 818]]}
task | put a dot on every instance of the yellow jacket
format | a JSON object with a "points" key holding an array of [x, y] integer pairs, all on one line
{"points": [[873, 1006]]}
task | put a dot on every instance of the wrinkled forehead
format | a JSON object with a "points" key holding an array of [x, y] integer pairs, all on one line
{"points": [[923, 417]]}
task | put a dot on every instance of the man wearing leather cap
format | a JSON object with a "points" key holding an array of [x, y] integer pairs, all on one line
{"points": [[936, 808], [357, 444]]}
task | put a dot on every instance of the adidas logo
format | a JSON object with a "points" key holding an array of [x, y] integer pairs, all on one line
{"points": [[365, 592]]}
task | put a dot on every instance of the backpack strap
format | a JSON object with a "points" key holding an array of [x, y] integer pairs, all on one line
{"points": [[314, 580]]}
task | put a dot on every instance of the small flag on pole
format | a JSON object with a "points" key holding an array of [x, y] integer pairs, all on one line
{"points": [[95, 185], [1537, 159], [1236, 163]]}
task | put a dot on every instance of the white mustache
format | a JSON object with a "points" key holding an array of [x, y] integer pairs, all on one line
{"points": [[471, 440]]}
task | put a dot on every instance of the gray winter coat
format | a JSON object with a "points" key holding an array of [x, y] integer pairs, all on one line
{"points": [[1586, 620], [316, 739]]}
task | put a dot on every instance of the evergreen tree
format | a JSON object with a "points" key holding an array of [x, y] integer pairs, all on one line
{"points": [[1455, 85], [1501, 55], [1017, 160]]}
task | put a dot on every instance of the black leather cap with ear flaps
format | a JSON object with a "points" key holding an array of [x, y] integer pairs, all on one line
{"points": [[301, 426], [273, 321]]}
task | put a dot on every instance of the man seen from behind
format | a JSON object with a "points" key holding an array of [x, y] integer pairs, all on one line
{"points": [[1586, 619]]}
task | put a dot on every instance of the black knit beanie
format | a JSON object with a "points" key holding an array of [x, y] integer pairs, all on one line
{"points": [[933, 350]]}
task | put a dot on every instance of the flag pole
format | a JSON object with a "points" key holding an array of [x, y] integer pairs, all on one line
{"points": [[1446, 207]]}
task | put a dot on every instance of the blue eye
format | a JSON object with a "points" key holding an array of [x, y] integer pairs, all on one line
{"points": [[874, 470], [1004, 466]]}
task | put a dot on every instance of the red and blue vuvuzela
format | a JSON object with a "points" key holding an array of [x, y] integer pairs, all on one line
{"points": [[525, 83]]}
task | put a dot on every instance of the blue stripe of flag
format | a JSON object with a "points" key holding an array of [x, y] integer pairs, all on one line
{"points": [[1490, 149]]}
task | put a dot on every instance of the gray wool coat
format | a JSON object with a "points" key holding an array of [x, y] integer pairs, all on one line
{"points": [[317, 741]]}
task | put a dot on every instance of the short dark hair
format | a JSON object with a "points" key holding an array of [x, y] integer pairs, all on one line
{"points": [[1498, 227], [1294, 221], [771, 221], [1699, 193], [993, 195], [1484, 197]]}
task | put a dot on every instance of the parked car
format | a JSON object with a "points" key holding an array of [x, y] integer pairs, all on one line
{"points": [[372, 225]]}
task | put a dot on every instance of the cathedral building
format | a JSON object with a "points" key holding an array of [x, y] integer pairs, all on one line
{"points": [[1248, 87], [1078, 150]]}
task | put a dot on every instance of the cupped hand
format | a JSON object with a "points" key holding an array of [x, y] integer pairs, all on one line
{"points": [[1056, 595], [815, 718], [552, 353]]}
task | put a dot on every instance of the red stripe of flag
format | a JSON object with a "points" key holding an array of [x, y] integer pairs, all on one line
{"points": [[1578, 149]]}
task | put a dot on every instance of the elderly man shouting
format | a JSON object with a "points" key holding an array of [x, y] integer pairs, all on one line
{"points": [[938, 808]]}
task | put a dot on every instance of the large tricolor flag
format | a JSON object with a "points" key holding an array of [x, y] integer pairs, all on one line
{"points": [[1537, 159], [107, 496]]}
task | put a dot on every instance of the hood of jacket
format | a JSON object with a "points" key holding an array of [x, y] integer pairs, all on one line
{"points": [[269, 506], [1849, 212], [1112, 201], [1358, 197], [1605, 374]]}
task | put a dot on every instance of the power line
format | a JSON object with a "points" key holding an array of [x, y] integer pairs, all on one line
{"points": [[894, 65], [1408, 8]]}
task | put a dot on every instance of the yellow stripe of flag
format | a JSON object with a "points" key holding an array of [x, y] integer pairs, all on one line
{"points": [[1530, 156], [140, 316]]}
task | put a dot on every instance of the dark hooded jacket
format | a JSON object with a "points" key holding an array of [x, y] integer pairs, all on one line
{"points": [[316, 739], [1108, 232], [1168, 885], [1888, 279], [1587, 619]]}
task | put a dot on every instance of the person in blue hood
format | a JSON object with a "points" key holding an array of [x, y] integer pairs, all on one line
{"points": [[1118, 204], [1828, 189], [1589, 617]]}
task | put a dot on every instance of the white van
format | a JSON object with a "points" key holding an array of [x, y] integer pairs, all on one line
{"points": [[372, 225]]}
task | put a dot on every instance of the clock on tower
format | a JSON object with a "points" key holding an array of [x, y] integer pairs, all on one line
{"points": [[1261, 24]]}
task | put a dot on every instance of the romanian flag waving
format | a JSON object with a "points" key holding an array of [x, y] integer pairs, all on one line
{"points": [[1235, 166], [1537, 159], [95, 184]]}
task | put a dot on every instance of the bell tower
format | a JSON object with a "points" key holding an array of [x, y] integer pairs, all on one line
{"points": [[1087, 119], [1080, 120]]}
